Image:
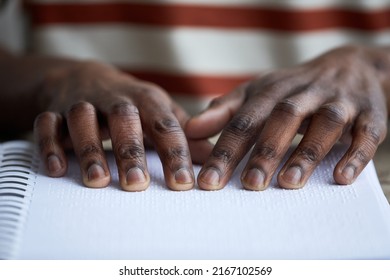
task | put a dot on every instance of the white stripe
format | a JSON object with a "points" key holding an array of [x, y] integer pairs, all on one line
{"points": [[193, 50], [302, 4]]}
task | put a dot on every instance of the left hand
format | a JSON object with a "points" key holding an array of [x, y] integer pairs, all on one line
{"points": [[337, 96]]}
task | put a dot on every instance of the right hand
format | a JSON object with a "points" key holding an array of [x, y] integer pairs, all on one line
{"points": [[86, 102]]}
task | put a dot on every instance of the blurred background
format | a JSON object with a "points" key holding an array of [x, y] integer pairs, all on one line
{"points": [[14, 36]]}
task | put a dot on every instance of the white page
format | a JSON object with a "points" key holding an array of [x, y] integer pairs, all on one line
{"points": [[320, 221], [18, 171]]}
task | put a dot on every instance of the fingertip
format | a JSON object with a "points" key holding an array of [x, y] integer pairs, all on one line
{"points": [[183, 180], [55, 166], [135, 180], [345, 175], [181, 187], [184, 176], [97, 183], [207, 187], [96, 176], [135, 187], [209, 179], [291, 178], [253, 180], [253, 188]]}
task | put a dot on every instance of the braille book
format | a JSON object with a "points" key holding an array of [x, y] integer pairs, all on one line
{"points": [[59, 218]]}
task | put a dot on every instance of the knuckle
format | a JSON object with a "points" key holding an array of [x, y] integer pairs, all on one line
{"points": [[133, 151], [124, 109], [270, 90], [310, 152], [89, 150], [268, 80], [216, 102], [381, 65], [374, 134], [241, 125], [362, 155], [265, 151], [81, 107], [146, 89], [341, 74], [224, 155], [334, 113], [167, 126], [46, 143], [253, 86], [290, 107], [274, 88], [176, 154], [311, 87], [271, 83]]}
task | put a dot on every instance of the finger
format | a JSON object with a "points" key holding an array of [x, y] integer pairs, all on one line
{"points": [[200, 149], [127, 140], [47, 134], [84, 132], [325, 129], [217, 115], [276, 137], [241, 132], [368, 133], [233, 144], [170, 142]]}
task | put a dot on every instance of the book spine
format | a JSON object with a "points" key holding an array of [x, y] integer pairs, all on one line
{"points": [[18, 170]]}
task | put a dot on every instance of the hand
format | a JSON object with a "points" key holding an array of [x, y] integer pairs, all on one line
{"points": [[337, 96], [88, 102]]}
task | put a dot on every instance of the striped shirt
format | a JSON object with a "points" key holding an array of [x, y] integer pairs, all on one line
{"points": [[197, 49]]}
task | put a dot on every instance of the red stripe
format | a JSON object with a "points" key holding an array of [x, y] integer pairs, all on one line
{"points": [[209, 16], [193, 85]]}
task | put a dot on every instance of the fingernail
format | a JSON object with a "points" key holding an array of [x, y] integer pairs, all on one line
{"points": [[210, 176], [349, 173], [53, 163], [95, 171], [293, 175], [183, 176], [254, 179], [135, 176]]}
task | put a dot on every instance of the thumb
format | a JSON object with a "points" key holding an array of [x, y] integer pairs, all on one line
{"points": [[220, 111], [200, 149]]}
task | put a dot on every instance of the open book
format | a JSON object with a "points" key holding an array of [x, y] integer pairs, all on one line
{"points": [[48, 218]]}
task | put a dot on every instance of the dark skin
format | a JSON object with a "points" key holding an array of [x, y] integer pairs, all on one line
{"points": [[78, 104], [342, 95]]}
